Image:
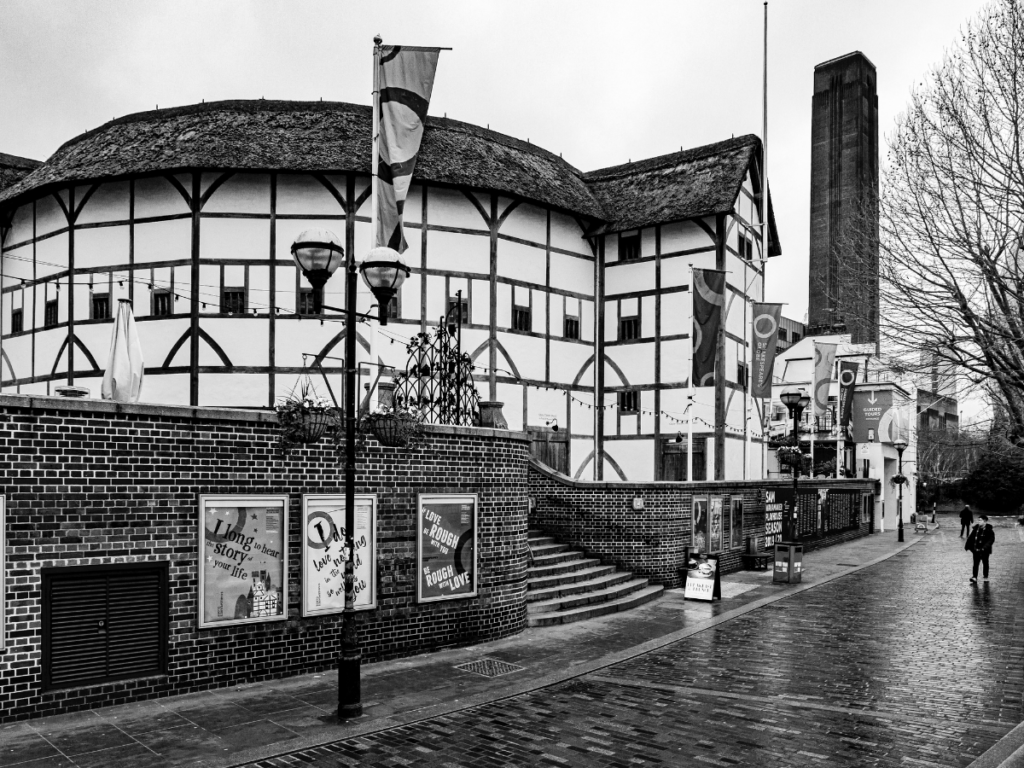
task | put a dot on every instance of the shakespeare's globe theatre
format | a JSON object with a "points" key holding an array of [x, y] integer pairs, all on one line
{"points": [[190, 214]]}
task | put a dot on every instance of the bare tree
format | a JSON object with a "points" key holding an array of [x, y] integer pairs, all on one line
{"points": [[952, 216]]}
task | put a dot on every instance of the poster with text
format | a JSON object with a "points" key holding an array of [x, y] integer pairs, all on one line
{"points": [[446, 547], [702, 579], [323, 553], [700, 524], [715, 524], [737, 523], [243, 563]]}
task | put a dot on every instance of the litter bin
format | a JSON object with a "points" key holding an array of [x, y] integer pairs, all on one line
{"points": [[789, 564]]}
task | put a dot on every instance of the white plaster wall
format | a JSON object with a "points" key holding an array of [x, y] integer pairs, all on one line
{"points": [[154, 196], [47, 345], [587, 320], [581, 458], [101, 247], [629, 277], [634, 457], [52, 255], [19, 352], [648, 306], [167, 389], [582, 417], [157, 337], [648, 242], [163, 241], [636, 362], [458, 252], [527, 352], [521, 262], [567, 234], [96, 338], [49, 216], [572, 273], [244, 340], [512, 396], [21, 226], [684, 236], [451, 208], [301, 194], [17, 263], [110, 202], [241, 193], [675, 271], [675, 361], [236, 239], [527, 222]]}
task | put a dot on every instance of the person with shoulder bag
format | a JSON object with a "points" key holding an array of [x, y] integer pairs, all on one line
{"points": [[979, 543]]}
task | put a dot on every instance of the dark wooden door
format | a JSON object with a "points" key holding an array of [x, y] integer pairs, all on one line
{"points": [[550, 447]]}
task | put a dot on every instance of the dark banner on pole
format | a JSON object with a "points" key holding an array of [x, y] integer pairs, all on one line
{"points": [[708, 303], [766, 340], [847, 381]]}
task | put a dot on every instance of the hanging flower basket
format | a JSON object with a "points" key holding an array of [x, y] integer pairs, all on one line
{"points": [[304, 418], [396, 428], [311, 426]]}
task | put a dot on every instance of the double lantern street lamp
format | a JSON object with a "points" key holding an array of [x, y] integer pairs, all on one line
{"points": [[318, 253], [900, 444], [796, 400]]}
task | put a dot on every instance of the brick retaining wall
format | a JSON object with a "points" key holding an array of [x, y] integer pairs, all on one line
{"points": [[599, 518], [88, 482]]}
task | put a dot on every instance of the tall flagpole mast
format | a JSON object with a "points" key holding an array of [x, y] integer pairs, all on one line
{"points": [[765, 230], [375, 134], [691, 407]]}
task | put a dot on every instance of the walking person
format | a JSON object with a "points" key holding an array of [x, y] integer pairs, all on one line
{"points": [[966, 518], [980, 544]]}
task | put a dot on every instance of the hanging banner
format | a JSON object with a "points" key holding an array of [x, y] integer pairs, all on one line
{"points": [[824, 360], [323, 553], [446, 547], [699, 522], [872, 416], [715, 523], [765, 344], [243, 562], [708, 305], [847, 382], [702, 578]]}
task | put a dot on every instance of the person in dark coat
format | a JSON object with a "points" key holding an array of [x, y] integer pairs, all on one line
{"points": [[966, 518], [980, 544]]}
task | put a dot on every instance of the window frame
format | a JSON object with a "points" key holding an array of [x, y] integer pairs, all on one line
{"points": [[632, 325], [518, 313], [92, 306], [17, 319], [304, 301], [630, 247], [234, 290], [463, 309], [629, 401], [54, 306], [565, 327], [157, 298]]}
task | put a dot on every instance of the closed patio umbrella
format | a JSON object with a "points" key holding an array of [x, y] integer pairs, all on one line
{"points": [[123, 380]]}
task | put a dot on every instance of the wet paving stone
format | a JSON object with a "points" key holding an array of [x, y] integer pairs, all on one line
{"points": [[902, 664]]}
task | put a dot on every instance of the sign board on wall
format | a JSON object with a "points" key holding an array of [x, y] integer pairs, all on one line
{"points": [[243, 562], [702, 578], [699, 532], [715, 524], [872, 415], [778, 516], [737, 522], [323, 553], [446, 547]]}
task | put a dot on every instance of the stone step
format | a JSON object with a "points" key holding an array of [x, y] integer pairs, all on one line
{"points": [[534, 594], [553, 558], [591, 570], [594, 596], [564, 567], [547, 549], [632, 600]]}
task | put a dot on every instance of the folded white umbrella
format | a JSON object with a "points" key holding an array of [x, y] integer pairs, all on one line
{"points": [[123, 380]]}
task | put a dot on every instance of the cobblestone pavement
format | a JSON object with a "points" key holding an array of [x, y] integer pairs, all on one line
{"points": [[901, 664]]}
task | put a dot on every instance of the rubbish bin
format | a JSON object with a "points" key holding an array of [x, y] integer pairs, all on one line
{"points": [[789, 564]]}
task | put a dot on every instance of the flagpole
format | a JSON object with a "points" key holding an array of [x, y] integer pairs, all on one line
{"points": [[374, 133], [691, 406], [765, 229]]}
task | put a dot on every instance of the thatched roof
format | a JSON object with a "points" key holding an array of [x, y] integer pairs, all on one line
{"points": [[335, 137], [13, 169], [696, 182]]}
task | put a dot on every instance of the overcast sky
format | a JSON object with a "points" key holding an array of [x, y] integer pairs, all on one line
{"points": [[602, 82]]}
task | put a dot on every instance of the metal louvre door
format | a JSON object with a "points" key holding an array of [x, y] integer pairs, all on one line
{"points": [[104, 623]]}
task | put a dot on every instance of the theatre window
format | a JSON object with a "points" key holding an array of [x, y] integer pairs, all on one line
{"points": [[521, 319], [629, 246], [629, 402], [50, 313], [629, 328], [161, 303], [571, 328], [101, 306], [17, 320]]}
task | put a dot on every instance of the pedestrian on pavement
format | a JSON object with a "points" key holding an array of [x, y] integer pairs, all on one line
{"points": [[980, 544], [966, 518]]}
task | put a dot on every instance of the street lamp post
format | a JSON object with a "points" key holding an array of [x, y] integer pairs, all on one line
{"points": [[318, 253], [796, 400], [900, 445]]}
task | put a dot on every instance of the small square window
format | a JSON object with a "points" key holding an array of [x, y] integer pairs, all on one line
{"points": [[796, 337], [460, 315], [521, 319], [629, 402], [629, 247], [161, 303], [741, 374], [393, 312], [783, 334], [50, 313], [232, 301], [629, 328], [101, 306], [304, 301], [17, 320], [746, 247], [571, 328]]}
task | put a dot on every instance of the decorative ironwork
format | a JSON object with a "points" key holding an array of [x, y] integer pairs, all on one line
{"points": [[438, 380]]}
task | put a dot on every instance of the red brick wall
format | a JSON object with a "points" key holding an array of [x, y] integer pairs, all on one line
{"points": [[90, 483], [598, 518]]}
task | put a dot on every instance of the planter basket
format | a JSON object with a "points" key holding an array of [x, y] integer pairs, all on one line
{"points": [[389, 429], [312, 427]]}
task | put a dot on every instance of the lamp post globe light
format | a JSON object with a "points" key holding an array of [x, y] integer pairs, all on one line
{"points": [[900, 444], [319, 253]]}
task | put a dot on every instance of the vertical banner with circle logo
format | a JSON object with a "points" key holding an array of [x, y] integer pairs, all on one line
{"points": [[766, 341], [243, 562], [824, 360], [847, 382], [323, 553], [708, 305]]}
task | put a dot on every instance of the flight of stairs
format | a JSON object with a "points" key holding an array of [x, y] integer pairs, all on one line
{"points": [[563, 586]]}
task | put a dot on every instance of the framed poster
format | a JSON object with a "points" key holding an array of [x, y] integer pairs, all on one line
{"points": [[446, 547], [699, 537], [243, 559], [715, 524], [736, 528], [323, 553]]}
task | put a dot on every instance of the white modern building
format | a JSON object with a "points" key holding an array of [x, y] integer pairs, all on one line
{"points": [[575, 285]]}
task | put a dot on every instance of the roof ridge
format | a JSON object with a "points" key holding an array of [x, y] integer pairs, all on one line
{"points": [[673, 158], [14, 161]]}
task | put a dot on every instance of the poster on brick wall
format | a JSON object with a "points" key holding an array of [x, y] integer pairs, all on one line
{"points": [[446, 547], [699, 535], [323, 553], [736, 528], [715, 505], [243, 562], [3, 571]]}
